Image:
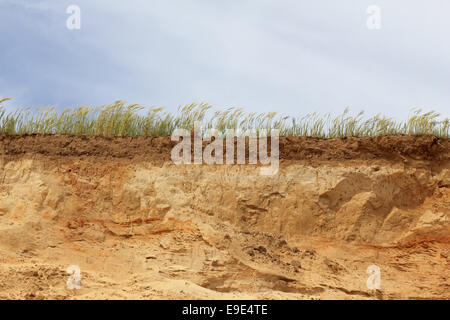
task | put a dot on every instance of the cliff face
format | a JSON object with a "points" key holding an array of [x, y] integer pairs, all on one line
{"points": [[139, 226]]}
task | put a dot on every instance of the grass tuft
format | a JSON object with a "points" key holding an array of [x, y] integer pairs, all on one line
{"points": [[120, 119]]}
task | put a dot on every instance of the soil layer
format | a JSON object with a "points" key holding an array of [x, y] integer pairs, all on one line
{"points": [[140, 227]]}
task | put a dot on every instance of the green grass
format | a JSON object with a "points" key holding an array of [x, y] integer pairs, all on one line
{"points": [[120, 119]]}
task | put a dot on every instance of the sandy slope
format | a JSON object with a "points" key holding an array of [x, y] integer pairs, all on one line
{"points": [[141, 227]]}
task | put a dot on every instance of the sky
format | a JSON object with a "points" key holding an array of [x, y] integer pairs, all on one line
{"points": [[289, 56]]}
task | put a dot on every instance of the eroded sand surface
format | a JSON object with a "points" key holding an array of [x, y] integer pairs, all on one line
{"points": [[140, 227]]}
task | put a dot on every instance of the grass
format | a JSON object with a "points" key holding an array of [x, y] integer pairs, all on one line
{"points": [[120, 119]]}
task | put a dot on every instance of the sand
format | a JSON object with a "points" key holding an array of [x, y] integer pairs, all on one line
{"points": [[140, 227]]}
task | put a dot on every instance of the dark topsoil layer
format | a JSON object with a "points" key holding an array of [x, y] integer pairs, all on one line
{"points": [[158, 149]]}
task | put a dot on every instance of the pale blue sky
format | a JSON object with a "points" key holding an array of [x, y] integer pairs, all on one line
{"points": [[289, 56]]}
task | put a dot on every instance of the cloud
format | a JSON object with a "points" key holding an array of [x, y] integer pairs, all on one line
{"points": [[289, 56], [42, 5]]}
